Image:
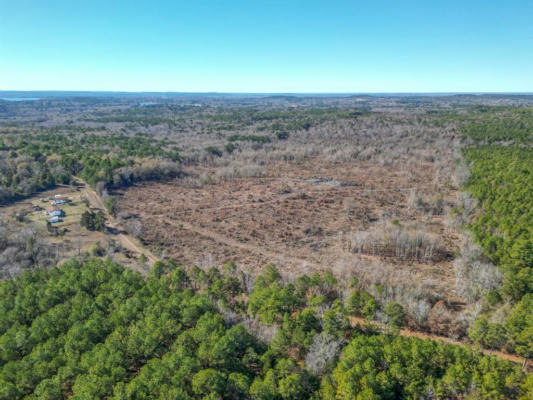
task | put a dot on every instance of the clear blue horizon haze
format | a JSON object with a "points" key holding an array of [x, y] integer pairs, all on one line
{"points": [[267, 47]]}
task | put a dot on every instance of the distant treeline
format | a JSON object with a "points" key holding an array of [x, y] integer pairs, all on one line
{"points": [[30, 162]]}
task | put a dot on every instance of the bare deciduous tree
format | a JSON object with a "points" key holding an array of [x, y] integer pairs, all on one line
{"points": [[323, 351]]}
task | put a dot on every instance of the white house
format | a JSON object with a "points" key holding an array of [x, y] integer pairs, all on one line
{"points": [[54, 212]]}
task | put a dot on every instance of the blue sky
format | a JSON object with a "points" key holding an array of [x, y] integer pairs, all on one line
{"points": [[267, 46]]}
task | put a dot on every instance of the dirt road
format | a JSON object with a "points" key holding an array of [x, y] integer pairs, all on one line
{"points": [[527, 364], [228, 241], [125, 240]]}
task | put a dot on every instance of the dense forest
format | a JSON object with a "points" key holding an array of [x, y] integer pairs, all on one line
{"points": [[97, 330], [502, 182], [500, 124]]}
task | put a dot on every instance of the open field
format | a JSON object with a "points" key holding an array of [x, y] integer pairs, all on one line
{"points": [[302, 215]]}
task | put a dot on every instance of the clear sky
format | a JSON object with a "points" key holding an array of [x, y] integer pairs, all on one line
{"points": [[267, 46]]}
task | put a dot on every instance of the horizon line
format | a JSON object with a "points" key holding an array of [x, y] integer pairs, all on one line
{"points": [[269, 93]]}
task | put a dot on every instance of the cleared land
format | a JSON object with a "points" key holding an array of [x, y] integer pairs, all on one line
{"points": [[300, 217]]}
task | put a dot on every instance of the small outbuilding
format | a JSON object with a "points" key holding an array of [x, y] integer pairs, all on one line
{"points": [[54, 212]]}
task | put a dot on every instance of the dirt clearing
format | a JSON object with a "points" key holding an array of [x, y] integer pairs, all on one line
{"points": [[298, 216]]}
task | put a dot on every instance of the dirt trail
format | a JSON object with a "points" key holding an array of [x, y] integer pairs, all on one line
{"points": [[526, 364], [275, 256], [125, 240], [228, 241]]}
